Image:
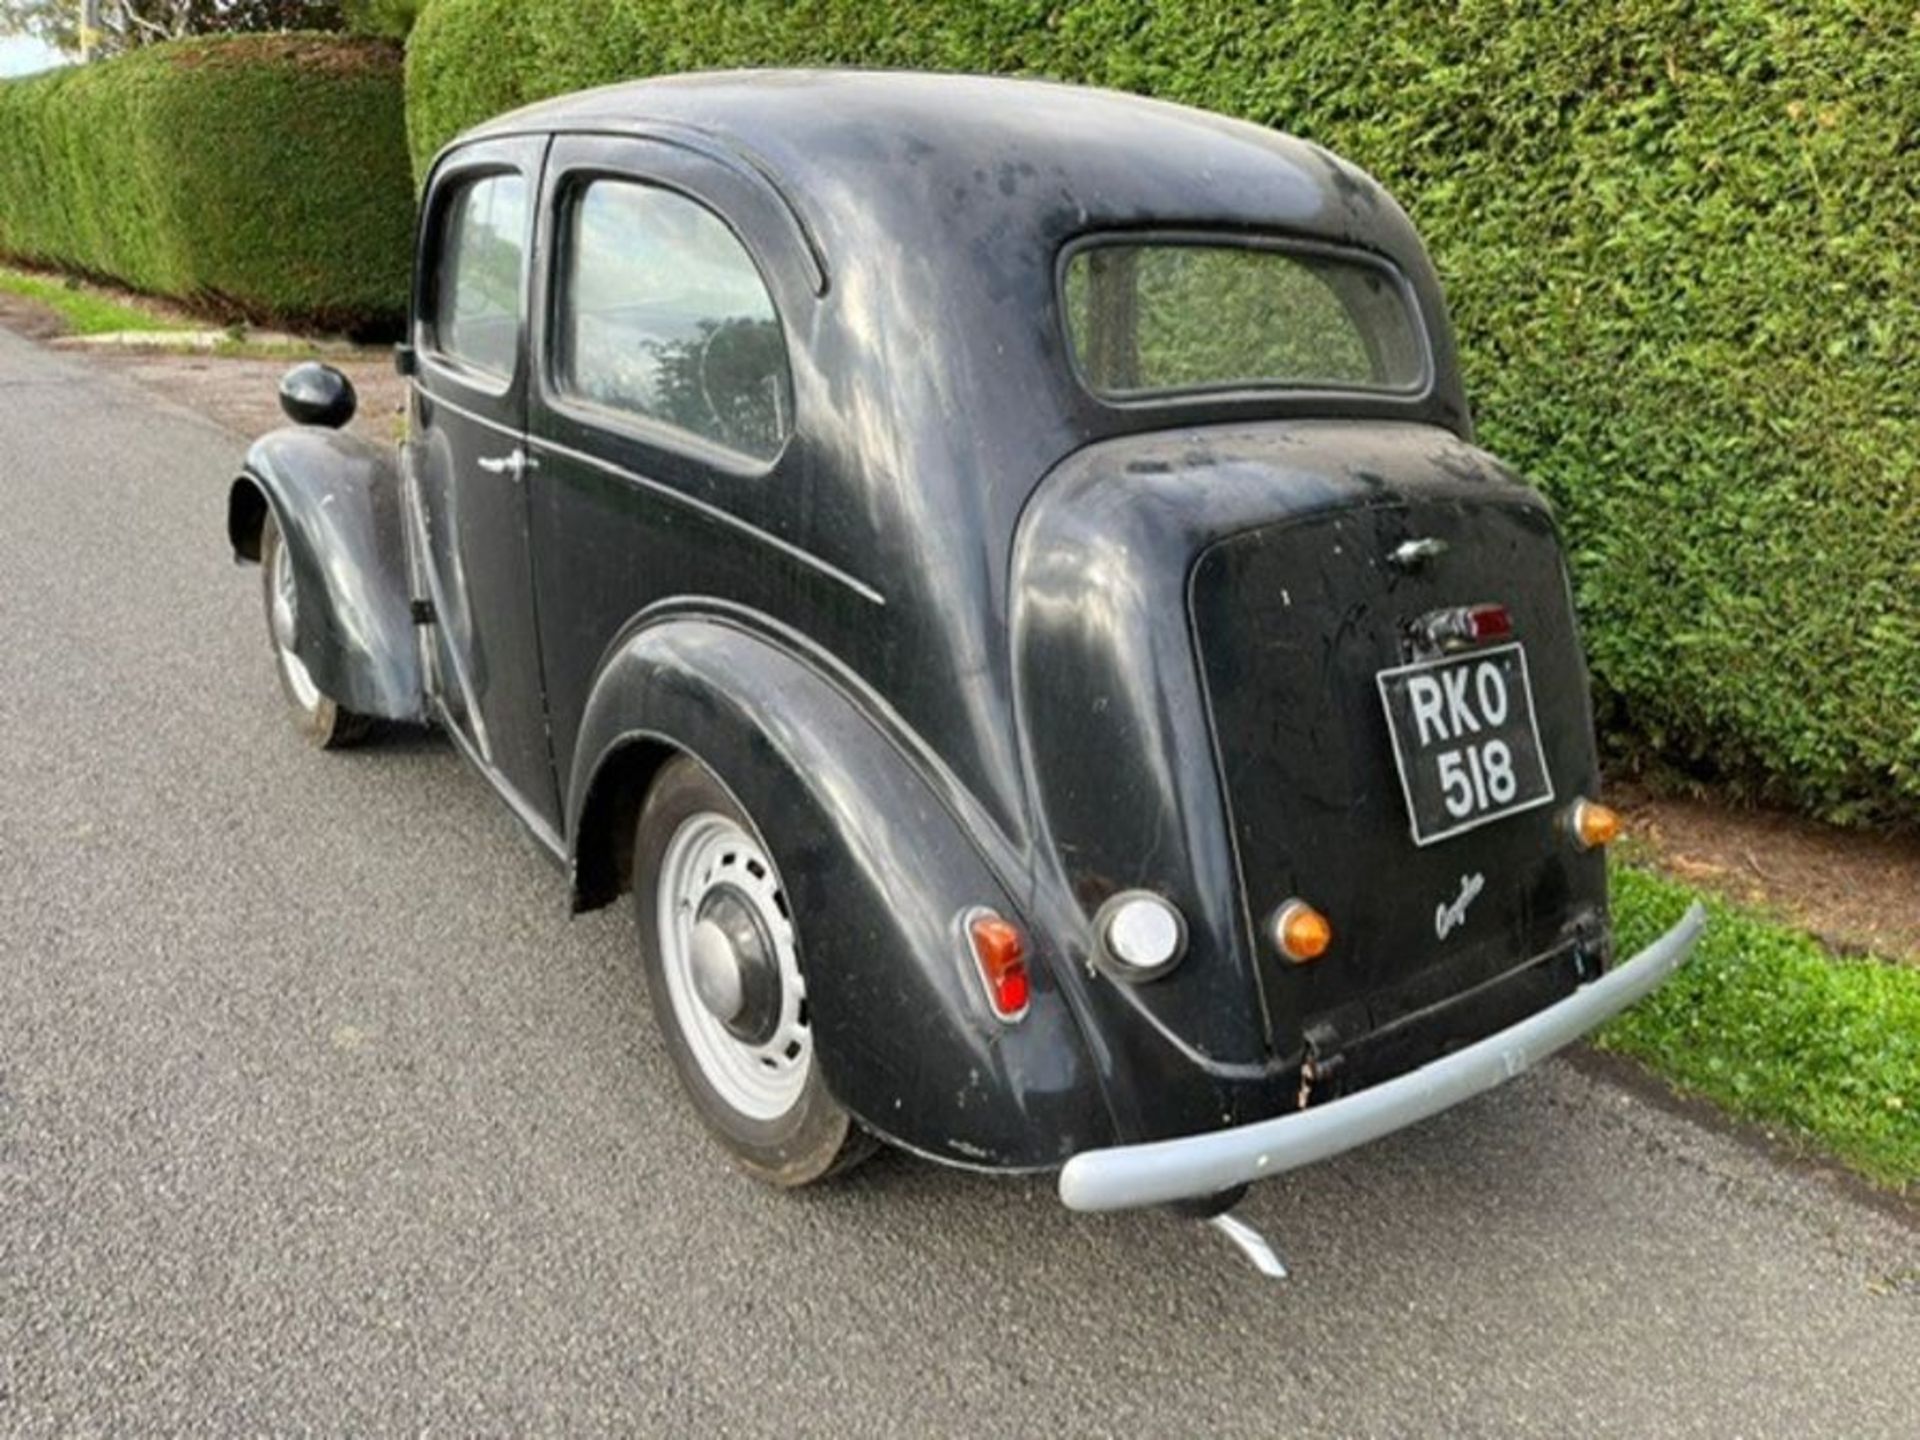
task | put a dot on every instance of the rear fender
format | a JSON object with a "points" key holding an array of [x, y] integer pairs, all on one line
{"points": [[337, 500], [878, 871]]}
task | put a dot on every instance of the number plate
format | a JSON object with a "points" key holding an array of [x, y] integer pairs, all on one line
{"points": [[1465, 739]]}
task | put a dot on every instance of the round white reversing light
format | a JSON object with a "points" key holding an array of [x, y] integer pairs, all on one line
{"points": [[1142, 932]]}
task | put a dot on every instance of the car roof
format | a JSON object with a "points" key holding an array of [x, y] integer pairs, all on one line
{"points": [[937, 209], [1062, 158]]}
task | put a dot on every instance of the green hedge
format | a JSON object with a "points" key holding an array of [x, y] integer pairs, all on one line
{"points": [[263, 177], [1679, 237], [389, 19]]}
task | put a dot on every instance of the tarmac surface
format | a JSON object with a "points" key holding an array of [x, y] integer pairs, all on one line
{"points": [[317, 1113]]}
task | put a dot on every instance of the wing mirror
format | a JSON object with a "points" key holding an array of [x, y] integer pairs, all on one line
{"points": [[316, 394]]}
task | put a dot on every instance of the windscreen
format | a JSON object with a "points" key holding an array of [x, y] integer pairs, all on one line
{"points": [[1163, 317]]}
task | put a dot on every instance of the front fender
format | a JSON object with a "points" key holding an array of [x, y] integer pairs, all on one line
{"points": [[878, 872], [338, 503]]}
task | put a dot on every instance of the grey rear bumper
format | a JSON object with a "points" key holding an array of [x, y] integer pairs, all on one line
{"points": [[1196, 1165]]}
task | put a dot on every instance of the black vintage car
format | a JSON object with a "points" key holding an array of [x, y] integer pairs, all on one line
{"points": [[1001, 574]]}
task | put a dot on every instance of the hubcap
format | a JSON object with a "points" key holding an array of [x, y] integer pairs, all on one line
{"points": [[716, 972], [736, 965], [306, 694], [727, 952]]}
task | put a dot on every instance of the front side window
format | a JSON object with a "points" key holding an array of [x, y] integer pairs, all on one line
{"points": [[476, 319], [1166, 317], [664, 317]]}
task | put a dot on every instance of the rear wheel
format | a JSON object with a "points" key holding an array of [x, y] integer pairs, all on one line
{"points": [[317, 717], [722, 959]]}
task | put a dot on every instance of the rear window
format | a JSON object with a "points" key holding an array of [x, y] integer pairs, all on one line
{"points": [[1166, 317]]}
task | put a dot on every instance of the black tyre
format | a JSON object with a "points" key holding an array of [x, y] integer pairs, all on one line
{"points": [[316, 716], [722, 958]]}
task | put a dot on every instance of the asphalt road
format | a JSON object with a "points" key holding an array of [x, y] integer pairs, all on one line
{"points": [[318, 1114]]}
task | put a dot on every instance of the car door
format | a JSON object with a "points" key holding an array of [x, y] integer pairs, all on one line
{"points": [[663, 404], [470, 467]]}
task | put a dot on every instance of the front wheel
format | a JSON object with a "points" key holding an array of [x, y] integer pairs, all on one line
{"points": [[317, 717], [722, 960]]}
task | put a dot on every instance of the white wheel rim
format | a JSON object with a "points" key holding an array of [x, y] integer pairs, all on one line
{"points": [[306, 694], [707, 852]]}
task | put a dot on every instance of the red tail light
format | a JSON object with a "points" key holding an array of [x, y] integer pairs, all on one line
{"points": [[1000, 950], [1488, 622], [1459, 626]]}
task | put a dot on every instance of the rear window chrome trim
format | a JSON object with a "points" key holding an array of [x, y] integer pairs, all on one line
{"points": [[1244, 390]]}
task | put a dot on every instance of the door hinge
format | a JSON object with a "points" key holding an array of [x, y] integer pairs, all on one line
{"points": [[423, 612]]}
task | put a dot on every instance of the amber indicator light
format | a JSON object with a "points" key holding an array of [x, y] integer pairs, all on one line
{"points": [[1594, 824], [1301, 932]]}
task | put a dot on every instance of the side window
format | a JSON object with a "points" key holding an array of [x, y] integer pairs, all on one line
{"points": [[664, 316], [476, 312]]}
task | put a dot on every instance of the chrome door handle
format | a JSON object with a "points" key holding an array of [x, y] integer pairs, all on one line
{"points": [[515, 465]]}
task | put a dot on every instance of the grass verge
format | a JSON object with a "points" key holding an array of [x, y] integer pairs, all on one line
{"points": [[1772, 1026], [293, 352], [85, 311]]}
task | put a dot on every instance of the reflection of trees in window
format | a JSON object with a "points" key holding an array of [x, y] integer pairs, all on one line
{"points": [[489, 277], [727, 383], [664, 315]]}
